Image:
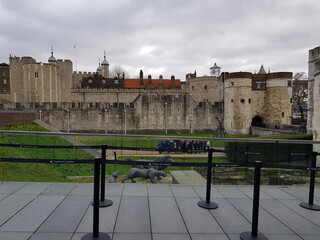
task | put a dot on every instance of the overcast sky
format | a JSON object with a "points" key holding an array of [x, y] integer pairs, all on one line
{"points": [[168, 37]]}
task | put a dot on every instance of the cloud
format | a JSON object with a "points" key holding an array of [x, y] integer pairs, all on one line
{"points": [[164, 37]]}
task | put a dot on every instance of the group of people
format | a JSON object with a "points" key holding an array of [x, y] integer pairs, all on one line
{"points": [[184, 146]]}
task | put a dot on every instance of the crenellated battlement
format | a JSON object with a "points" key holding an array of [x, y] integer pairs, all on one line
{"points": [[84, 73], [21, 60], [314, 54], [124, 90]]}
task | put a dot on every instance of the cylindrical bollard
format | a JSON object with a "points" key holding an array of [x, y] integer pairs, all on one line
{"points": [[96, 197], [104, 202], [255, 210], [256, 199], [207, 204], [310, 204], [95, 235]]}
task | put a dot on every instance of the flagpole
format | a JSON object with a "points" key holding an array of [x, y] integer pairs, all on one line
{"points": [[75, 54]]}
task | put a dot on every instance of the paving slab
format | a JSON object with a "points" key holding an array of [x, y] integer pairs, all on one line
{"points": [[183, 191], [3, 195], [33, 214], [165, 216], [268, 224], [171, 236], [12, 205], [11, 187], [292, 220], [114, 189], [157, 190], [33, 188], [202, 191], [51, 236], [67, 215], [59, 188], [131, 236], [231, 192], [15, 235], [276, 192], [133, 216], [229, 218], [135, 190], [248, 190], [197, 219], [107, 219], [209, 237], [313, 216], [300, 194], [79, 236], [85, 189]]}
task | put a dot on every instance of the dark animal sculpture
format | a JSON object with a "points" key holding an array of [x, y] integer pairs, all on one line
{"points": [[113, 177], [150, 173]]}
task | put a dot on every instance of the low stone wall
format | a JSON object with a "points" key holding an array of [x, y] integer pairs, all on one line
{"points": [[8, 118], [281, 130], [244, 176]]}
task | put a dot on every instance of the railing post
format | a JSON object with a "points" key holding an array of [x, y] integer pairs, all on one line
{"points": [[207, 204], [255, 210], [309, 205], [96, 234], [104, 202]]}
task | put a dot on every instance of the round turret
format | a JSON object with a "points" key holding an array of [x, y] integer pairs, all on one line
{"points": [[104, 62], [99, 69], [278, 97], [52, 59]]}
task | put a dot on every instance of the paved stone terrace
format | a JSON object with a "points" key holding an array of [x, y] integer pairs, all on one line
{"points": [[59, 211]]}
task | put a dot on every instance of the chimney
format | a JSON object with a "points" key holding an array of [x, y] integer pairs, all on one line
{"points": [[141, 78], [173, 85]]}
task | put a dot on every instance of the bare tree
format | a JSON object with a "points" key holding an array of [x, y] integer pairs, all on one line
{"points": [[300, 93], [118, 72]]}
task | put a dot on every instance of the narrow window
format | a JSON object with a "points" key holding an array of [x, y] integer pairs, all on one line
{"points": [[249, 100], [205, 87]]}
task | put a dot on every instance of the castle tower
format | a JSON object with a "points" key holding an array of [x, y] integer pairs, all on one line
{"points": [[105, 66], [314, 94], [237, 102], [215, 70], [279, 98]]}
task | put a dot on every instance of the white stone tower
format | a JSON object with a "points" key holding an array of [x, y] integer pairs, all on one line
{"points": [[215, 70]]}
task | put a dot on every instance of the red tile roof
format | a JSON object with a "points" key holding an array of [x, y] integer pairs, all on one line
{"points": [[135, 83]]}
